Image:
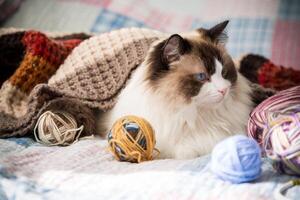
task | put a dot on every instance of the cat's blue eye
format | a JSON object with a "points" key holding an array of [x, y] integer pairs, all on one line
{"points": [[201, 76]]}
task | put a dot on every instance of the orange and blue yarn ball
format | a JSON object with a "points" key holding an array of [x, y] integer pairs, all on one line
{"points": [[132, 139]]}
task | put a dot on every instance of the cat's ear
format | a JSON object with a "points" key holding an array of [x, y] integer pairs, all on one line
{"points": [[174, 47], [217, 33]]}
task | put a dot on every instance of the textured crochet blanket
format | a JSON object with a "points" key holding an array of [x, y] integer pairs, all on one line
{"points": [[42, 77], [78, 72]]}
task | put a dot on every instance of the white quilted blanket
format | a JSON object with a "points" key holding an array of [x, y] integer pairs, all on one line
{"points": [[86, 170]]}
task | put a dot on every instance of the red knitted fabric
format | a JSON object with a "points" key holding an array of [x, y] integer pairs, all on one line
{"points": [[35, 57], [53, 51], [277, 77]]}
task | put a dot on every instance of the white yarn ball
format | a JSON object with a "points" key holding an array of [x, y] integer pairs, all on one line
{"points": [[57, 128]]}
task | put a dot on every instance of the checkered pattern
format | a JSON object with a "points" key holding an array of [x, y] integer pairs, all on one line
{"points": [[107, 21], [255, 27], [268, 27], [29, 171], [246, 35], [286, 43], [289, 9], [153, 14]]}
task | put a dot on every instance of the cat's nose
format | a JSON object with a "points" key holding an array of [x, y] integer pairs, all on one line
{"points": [[223, 91]]}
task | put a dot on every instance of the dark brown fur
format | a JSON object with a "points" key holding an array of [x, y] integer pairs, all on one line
{"points": [[159, 65], [202, 52], [260, 93], [249, 66], [190, 87]]}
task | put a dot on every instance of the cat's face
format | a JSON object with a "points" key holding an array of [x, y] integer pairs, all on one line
{"points": [[195, 68]]}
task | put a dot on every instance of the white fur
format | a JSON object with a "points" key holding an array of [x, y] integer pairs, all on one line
{"points": [[189, 130]]}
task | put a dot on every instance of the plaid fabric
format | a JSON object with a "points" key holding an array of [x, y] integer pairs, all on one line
{"points": [[289, 10], [27, 170], [107, 21], [286, 43], [270, 28], [246, 35]]}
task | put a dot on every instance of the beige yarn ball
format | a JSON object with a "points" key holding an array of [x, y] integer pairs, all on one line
{"points": [[57, 128]]}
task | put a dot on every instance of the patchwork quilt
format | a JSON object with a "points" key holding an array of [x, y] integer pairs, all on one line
{"points": [[86, 170], [270, 28]]}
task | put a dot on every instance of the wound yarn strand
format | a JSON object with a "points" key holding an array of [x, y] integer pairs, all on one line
{"points": [[132, 146], [282, 140], [57, 128], [275, 125], [236, 159]]}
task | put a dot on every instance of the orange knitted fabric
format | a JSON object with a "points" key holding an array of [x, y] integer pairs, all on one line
{"points": [[90, 77], [42, 58]]}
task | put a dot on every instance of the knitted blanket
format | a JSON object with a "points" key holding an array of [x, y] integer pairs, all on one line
{"points": [[76, 73], [90, 77]]}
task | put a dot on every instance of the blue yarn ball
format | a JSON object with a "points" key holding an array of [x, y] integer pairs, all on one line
{"points": [[237, 159]]}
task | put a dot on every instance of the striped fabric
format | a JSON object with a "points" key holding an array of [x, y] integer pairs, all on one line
{"points": [[259, 117]]}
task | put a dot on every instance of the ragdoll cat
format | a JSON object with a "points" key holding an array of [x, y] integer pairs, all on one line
{"points": [[190, 91]]}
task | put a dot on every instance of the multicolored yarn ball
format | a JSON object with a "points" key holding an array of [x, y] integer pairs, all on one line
{"points": [[57, 128], [282, 140], [237, 159], [132, 139], [275, 124]]}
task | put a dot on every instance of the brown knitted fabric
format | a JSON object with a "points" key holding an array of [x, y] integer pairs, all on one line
{"points": [[97, 69], [27, 59], [90, 77]]}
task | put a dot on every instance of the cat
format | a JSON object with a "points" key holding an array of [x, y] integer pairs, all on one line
{"points": [[190, 91]]}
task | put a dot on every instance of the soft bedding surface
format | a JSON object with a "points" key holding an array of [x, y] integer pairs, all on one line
{"points": [[85, 170]]}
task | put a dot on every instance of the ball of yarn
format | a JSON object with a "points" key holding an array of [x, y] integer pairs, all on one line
{"points": [[276, 103], [281, 140], [236, 159], [274, 124], [132, 139], [57, 128]]}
